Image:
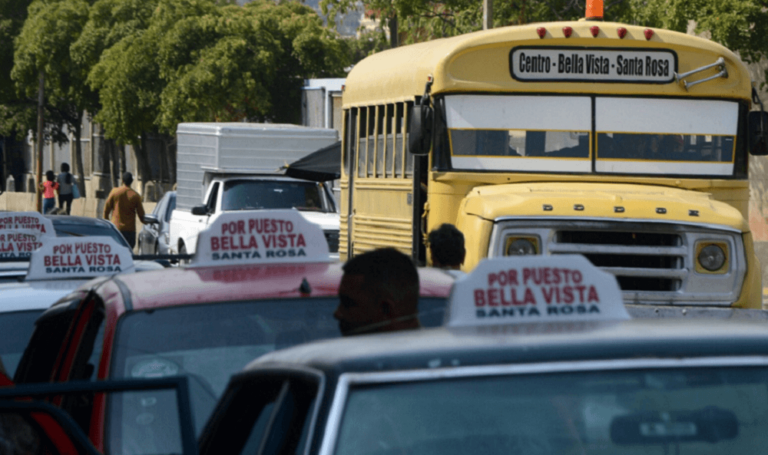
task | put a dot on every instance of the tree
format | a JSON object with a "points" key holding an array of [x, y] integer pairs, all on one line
{"points": [[44, 46], [108, 23], [16, 112], [245, 63], [740, 25]]}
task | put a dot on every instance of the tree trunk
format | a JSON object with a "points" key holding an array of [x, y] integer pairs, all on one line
{"points": [[114, 162], [121, 158], [79, 156], [142, 158], [169, 145]]}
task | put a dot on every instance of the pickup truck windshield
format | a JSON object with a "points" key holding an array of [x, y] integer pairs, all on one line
{"points": [[272, 194], [702, 411]]}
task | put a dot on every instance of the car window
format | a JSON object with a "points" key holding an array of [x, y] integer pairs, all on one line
{"points": [[212, 197], [210, 342], [86, 230], [159, 207], [171, 207], [268, 414], [49, 335], [16, 329], [272, 194], [654, 412]]}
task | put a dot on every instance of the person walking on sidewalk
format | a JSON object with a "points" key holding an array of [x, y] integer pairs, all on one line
{"points": [[125, 205], [49, 188], [66, 181]]}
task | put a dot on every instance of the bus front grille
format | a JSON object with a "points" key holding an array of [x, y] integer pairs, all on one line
{"points": [[641, 261], [653, 262]]}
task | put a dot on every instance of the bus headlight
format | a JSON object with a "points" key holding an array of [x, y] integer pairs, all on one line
{"points": [[522, 246], [712, 257]]}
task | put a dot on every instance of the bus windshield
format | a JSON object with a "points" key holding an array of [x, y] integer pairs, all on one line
{"points": [[556, 134]]}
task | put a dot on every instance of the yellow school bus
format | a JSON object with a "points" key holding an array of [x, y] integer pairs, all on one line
{"points": [[626, 144]]}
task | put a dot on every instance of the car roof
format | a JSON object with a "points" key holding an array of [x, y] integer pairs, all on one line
{"points": [[525, 343], [35, 295], [192, 285]]}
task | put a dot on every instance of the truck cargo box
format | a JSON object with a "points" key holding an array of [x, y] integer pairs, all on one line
{"points": [[243, 148]]}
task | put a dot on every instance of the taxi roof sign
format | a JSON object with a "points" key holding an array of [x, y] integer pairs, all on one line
{"points": [[79, 257], [21, 233], [260, 237], [535, 289]]}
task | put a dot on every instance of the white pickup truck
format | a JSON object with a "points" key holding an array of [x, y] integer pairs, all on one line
{"points": [[223, 167], [257, 192]]}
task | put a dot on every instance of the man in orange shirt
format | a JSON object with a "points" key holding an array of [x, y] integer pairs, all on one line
{"points": [[125, 205]]}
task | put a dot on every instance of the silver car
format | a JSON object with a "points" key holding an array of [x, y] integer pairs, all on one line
{"points": [[155, 235]]}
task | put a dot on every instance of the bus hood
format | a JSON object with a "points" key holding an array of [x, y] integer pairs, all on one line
{"points": [[601, 200]]}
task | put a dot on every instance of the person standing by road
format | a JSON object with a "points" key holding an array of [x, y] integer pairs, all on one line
{"points": [[446, 247], [125, 205], [379, 292], [66, 182], [48, 188]]}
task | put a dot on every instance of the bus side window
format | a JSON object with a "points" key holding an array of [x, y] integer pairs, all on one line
{"points": [[372, 120], [349, 140], [390, 141], [381, 136], [399, 151], [408, 156], [362, 133]]}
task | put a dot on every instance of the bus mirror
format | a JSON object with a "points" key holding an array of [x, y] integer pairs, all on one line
{"points": [[420, 129], [758, 133]]}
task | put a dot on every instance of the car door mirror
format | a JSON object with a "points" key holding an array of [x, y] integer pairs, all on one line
{"points": [[200, 210], [151, 219], [758, 133], [31, 427]]}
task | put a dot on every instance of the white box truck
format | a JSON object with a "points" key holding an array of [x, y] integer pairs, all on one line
{"points": [[237, 166]]}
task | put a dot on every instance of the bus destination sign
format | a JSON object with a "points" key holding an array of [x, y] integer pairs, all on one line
{"points": [[536, 64]]}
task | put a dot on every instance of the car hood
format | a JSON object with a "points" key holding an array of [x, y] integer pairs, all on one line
{"points": [[327, 221]]}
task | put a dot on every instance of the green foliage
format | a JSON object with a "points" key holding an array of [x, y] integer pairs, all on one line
{"points": [[367, 42], [43, 46], [740, 25], [234, 63]]}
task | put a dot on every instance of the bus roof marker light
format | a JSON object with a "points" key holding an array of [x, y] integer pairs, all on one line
{"points": [[567, 31], [541, 31], [595, 30], [594, 10], [648, 34], [622, 32]]}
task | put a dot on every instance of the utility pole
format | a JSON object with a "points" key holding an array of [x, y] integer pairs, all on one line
{"points": [[487, 14], [393, 38], [39, 144]]}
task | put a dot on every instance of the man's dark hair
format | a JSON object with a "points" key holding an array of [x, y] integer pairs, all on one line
{"points": [[128, 178], [446, 244], [387, 271]]}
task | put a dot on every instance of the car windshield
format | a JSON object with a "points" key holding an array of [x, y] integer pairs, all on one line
{"points": [[682, 411], [16, 329], [87, 230], [207, 343], [272, 194]]}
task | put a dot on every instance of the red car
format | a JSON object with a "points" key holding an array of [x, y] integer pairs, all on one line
{"points": [[206, 322]]}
